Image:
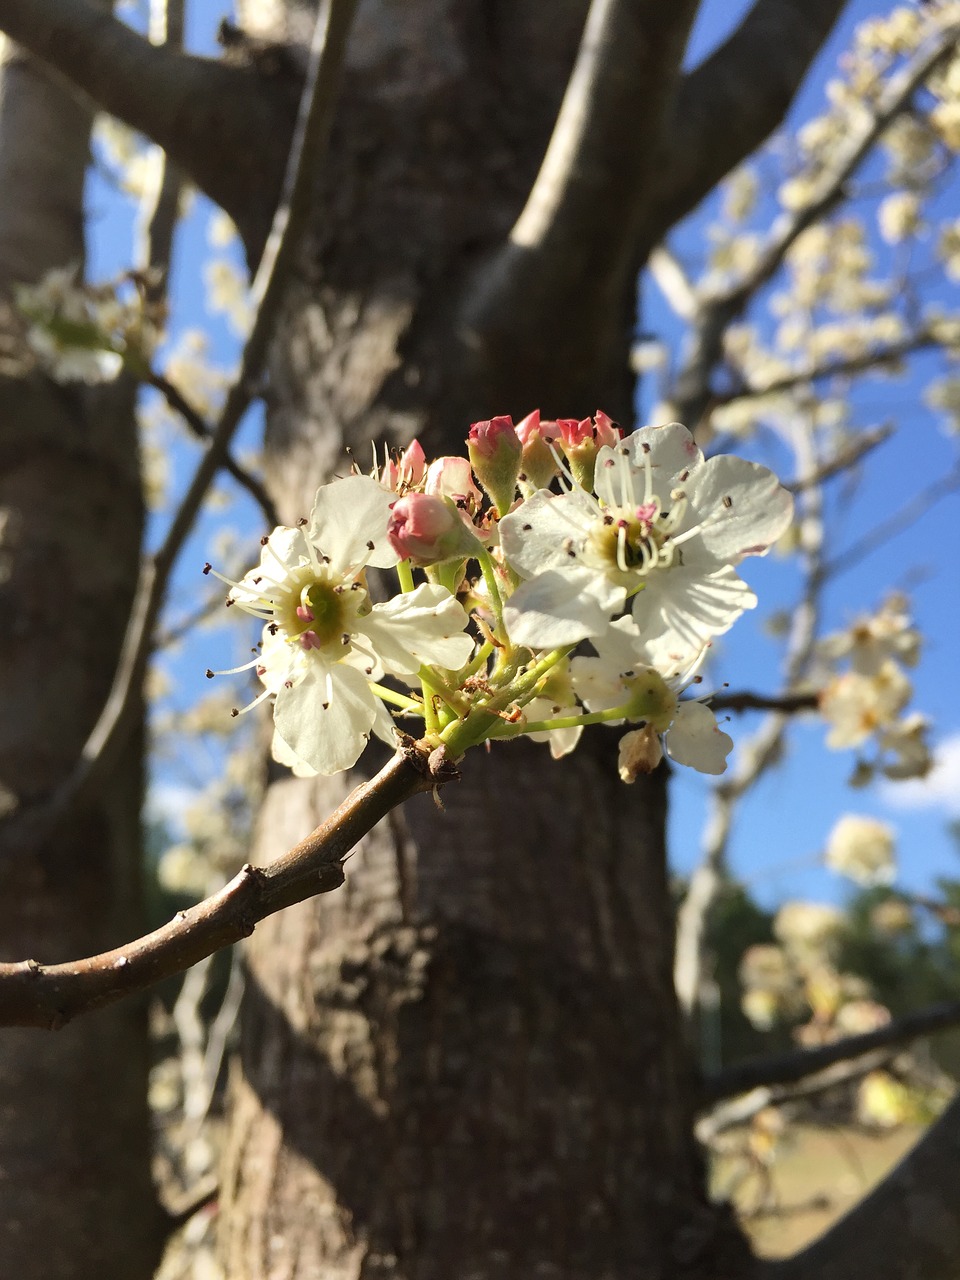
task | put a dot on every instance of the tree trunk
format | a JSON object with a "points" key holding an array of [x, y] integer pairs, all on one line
{"points": [[77, 1199], [468, 1062]]}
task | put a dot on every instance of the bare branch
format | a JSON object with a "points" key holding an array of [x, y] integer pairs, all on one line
{"points": [[219, 123], [908, 514], [737, 98], [787, 1068], [729, 1113], [108, 736], [203, 431], [37, 995], [862, 444], [907, 1227], [787, 703], [756, 755]]}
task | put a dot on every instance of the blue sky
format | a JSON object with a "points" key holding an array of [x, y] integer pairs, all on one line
{"points": [[786, 819]]}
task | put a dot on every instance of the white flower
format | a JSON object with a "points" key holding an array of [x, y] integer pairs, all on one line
{"points": [[625, 674], [324, 641], [807, 926], [862, 849], [664, 528], [856, 706]]}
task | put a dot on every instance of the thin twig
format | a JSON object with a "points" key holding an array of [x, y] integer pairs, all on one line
{"points": [[862, 444], [895, 524], [39, 995], [744, 700], [203, 431]]}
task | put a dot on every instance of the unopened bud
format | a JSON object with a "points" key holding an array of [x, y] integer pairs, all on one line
{"points": [[581, 440], [495, 452], [538, 466], [427, 530]]}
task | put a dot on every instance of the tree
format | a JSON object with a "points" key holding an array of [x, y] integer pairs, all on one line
{"points": [[471, 1060]]}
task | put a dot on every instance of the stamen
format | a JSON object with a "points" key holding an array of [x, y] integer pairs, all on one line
{"points": [[232, 671]]}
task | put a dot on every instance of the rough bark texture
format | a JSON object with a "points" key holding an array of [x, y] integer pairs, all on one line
{"points": [[468, 1061], [76, 1199]]}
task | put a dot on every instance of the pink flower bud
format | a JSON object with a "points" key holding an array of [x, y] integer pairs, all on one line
{"points": [[537, 464], [427, 530], [490, 437], [581, 441], [451, 477], [495, 451]]}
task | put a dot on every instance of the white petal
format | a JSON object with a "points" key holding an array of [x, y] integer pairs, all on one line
{"points": [[328, 735], [684, 607], [597, 683], [284, 754], [533, 536], [427, 625], [562, 741], [672, 450], [743, 508], [695, 739], [347, 515], [557, 608]]}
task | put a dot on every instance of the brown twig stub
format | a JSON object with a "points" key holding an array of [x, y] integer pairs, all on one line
{"points": [[33, 994]]}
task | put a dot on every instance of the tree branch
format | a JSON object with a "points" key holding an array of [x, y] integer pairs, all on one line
{"points": [[109, 734], [38, 995], [788, 1068], [787, 703], [735, 99], [224, 125], [579, 222], [692, 393], [202, 430], [908, 1227]]}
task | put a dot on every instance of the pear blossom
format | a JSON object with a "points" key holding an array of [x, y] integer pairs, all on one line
{"points": [[627, 673], [662, 529], [856, 706], [862, 849], [324, 640]]}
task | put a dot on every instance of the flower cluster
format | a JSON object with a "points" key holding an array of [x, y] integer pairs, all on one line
{"points": [[866, 703], [80, 332], [557, 576]]}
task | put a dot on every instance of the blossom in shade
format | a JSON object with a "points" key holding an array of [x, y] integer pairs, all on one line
{"points": [[324, 641], [663, 529]]}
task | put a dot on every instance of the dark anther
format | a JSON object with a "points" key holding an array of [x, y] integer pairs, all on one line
{"points": [[207, 567], [728, 502], [264, 540], [208, 673], [234, 712]]}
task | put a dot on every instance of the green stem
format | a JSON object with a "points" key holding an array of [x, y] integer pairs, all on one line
{"points": [[493, 588], [566, 722], [405, 576], [398, 699]]}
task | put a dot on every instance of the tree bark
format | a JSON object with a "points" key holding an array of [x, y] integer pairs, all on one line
{"points": [[77, 1199], [468, 1061]]}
